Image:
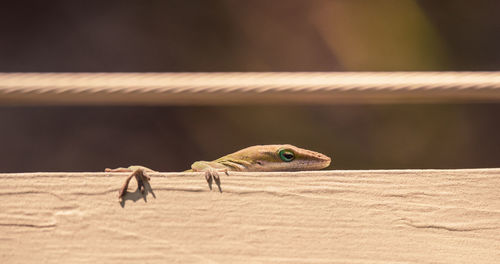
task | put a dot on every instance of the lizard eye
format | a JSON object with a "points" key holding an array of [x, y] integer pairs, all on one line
{"points": [[286, 155]]}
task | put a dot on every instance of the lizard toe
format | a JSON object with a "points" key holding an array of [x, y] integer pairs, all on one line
{"points": [[208, 177]]}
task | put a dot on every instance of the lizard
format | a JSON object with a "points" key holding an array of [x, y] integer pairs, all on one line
{"points": [[284, 157]]}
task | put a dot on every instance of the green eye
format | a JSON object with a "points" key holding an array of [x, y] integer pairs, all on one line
{"points": [[286, 155]]}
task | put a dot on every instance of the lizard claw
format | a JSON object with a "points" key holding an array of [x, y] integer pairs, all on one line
{"points": [[213, 175], [140, 177], [208, 176], [139, 172]]}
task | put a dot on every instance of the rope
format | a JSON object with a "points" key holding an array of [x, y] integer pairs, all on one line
{"points": [[251, 87]]}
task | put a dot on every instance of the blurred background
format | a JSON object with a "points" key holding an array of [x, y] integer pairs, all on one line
{"points": [[209, 36]]}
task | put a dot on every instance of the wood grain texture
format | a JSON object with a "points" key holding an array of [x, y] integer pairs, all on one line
{"points": [[386, 216]]}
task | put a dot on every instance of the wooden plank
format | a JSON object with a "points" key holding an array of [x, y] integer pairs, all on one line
{"points": [[389, 216]]}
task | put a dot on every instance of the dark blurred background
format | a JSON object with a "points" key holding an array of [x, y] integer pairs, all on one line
{"points": [[306, 35]]}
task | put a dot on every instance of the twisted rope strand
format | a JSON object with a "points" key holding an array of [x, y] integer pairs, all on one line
{"points": [[250, 87]]}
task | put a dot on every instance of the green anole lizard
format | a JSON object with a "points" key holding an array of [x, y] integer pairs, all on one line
{"points": [[256, 158]]}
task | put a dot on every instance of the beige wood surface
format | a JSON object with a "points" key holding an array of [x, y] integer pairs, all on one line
{"points": [[391, 216]]}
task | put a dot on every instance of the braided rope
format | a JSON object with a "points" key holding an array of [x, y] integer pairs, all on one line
{"points": [[252, 87]]}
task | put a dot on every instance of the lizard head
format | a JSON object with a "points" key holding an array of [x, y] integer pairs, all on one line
{"points": [[282, 158]]}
